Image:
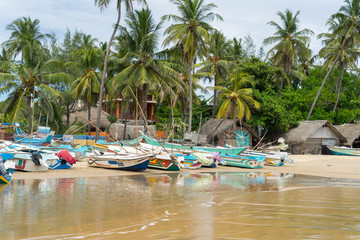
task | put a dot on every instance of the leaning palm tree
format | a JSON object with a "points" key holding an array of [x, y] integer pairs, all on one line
{"points": [[143, 72], [291, 43], [332, 48], [102, 4], [190, 31], [237, 97], [345, 43]]}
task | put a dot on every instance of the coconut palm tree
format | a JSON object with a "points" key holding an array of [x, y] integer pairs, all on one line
{"points": [[26, 39], [143, 72], [102, 4], [237, 97], [25, 84], [291, 43], [348, 55], [346, 40], [35, 75], [190, 31], [88, 61], [217, 61]]}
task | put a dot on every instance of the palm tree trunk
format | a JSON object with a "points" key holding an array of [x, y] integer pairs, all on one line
{"points": [[144, 102], [104, 72], [28, 105], [215, 97], [322, 85], [89, 117], [339, 87], [190, 93]]}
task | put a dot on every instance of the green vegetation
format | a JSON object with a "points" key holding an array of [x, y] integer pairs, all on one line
{"points": [[44, 80]]}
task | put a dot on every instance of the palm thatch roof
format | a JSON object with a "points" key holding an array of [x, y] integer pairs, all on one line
{"points": [[217, 126], [81, 116], [351, 131], [307, 128]]}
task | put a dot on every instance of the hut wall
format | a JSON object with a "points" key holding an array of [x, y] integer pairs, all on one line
{"points": [[324, 133]]}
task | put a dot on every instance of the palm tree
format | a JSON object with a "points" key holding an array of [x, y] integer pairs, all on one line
{"points": [[217, 61], [34, 76], [25, 84], [143, 72], [346, 40], [237, 97], [26, 39], [348, 55], [190, 32], [291, 43], [88, 61], [102, 4]]}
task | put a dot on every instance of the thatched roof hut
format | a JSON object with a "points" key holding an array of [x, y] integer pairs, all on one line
{"points": [[351, 131], [311, 136], [81, 116], [223, 128]]}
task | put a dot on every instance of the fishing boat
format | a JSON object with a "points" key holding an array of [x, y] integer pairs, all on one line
{"points": [[40, 161], [165, 162], [6, 171], [43, 136], [242, 161], [344, 151], [130, 161], [189, 161], [207, 159], [222, 150], [274, 159]]}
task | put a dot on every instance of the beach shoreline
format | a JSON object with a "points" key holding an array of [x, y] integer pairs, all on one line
{"points": [[332, 166]]}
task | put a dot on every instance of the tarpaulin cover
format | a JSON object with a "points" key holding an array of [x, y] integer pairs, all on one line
{"points": [[64, 154]]}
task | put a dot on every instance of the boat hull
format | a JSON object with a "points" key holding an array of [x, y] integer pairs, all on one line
{"points": [[243, 163], [163, 164], [344, 151], [7, 180], [138, 165], [233, 151]]}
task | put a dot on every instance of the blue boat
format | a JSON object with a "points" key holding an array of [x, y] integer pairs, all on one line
{"points": [[43, 136], [6, 170]]}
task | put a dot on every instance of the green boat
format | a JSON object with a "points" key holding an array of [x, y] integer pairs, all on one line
{"points": [[243, 163], [222, 150]]}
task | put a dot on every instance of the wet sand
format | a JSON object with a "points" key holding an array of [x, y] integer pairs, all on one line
{"points": [[315, 165]]}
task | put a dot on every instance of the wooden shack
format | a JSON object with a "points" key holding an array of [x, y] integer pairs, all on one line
{"points": [[226, 132], [351, 131], [312, 137]]}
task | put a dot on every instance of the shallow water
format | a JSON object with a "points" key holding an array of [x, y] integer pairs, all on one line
{"points": [[182, 206]]}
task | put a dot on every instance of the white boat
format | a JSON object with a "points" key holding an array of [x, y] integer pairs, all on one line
{"points": [[130, 161]]}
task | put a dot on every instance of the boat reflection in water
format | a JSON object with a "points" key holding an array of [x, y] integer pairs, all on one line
{"points": [[182, 205]]}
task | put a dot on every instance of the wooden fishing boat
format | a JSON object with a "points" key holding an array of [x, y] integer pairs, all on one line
{"points": [[45, 161], [43, 137], [242, 161], [189, 161], [271, 159], [206, 159], [133, 162], [344, 151], [8, 167], [222, 150], [164, 162]]}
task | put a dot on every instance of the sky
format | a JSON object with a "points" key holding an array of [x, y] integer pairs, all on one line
{"points": [[241, 18]]}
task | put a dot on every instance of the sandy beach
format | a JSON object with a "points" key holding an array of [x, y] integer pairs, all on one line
{"points": [[315, 165]]}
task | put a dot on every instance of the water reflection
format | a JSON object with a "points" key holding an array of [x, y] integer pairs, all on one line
{"points": [[181, 205]]}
